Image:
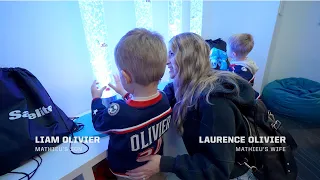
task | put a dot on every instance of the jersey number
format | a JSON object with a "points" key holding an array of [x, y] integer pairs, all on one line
{"points": [[151, 151]]}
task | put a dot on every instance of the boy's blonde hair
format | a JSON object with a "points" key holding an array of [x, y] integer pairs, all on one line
{"points": [[241, 44], [143, 54]]}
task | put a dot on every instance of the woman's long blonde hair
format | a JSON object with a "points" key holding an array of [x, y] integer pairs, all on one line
{"points": [[195, 76]]}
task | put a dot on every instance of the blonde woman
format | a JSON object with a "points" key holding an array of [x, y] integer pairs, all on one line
{"points": [[206, 104]]}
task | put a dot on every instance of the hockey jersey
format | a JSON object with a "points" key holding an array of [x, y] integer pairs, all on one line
{"points": [[135, 129], [246, 69], [243, 72]]}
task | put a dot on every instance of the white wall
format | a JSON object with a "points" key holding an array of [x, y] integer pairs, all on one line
{"points": [[47, 38], [222, 19], [296, 43]]}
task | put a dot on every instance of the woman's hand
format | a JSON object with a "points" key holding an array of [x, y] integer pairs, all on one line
{"points": [[146, 171], [118, 86], [95, 92]]}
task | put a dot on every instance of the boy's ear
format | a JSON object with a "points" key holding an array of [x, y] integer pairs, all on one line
{"points": [[126, 76], [234, 54]]}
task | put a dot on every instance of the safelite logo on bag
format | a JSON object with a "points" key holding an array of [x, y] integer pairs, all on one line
{"points": [[17, 114]]}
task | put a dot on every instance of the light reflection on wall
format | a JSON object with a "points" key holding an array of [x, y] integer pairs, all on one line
{"points": [[92, 13], [196, 7], [175, 17], [143, 12]]}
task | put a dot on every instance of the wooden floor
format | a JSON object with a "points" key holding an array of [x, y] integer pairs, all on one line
{"points": [[307, 155]]}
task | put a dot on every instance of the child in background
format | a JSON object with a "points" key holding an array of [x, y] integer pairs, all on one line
{"points": [[136, 123], [238, 47]]}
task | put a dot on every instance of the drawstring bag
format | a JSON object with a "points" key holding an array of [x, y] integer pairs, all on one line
{"points": [[27, 112]]}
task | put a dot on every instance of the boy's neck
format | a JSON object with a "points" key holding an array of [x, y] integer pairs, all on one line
{"points": [[145, 91]]}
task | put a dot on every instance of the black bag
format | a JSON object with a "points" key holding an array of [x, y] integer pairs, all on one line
{"points": [[218, 43], [26, 111], [269, 165]]}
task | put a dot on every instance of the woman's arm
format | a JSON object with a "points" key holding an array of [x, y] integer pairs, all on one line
{"points": [[216, 160]]}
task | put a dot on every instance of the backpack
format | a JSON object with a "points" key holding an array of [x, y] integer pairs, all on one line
{"points": [[218, 56], [271, 164], [26, 112], [217, 43]]}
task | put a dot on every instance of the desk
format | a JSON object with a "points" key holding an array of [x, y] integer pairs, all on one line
{"points": [[63, 164]]}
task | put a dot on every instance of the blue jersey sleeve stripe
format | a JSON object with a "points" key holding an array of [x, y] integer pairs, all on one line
{"points": [[140, 126]]}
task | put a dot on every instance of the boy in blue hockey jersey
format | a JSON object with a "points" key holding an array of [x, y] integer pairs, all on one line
{"points": [[238, 47], [137, 122]]}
